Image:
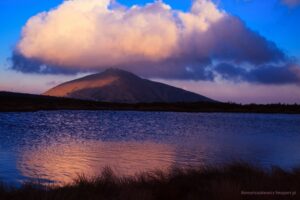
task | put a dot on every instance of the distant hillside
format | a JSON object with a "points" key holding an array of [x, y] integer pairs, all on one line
{"points": [[17, 102], [115, 85]]}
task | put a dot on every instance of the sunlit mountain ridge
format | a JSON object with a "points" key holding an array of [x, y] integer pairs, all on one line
{"points": [[115, 85]]}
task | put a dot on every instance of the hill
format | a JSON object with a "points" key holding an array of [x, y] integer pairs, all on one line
{"points": [[119, 86]]}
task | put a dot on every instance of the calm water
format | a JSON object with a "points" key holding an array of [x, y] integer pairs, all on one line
{"points": [[56, 147]]}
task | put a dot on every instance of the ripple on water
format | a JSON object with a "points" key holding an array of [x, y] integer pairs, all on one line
{"points": [[59, 145]]}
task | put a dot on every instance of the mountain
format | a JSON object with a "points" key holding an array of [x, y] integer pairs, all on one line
{"points": [[115, 85]]}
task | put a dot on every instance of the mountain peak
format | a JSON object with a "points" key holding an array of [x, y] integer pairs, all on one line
{"points": [[117, 72], [116, 85]]}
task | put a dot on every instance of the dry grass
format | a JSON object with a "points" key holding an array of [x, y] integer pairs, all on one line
{"points": [[216, 183]]}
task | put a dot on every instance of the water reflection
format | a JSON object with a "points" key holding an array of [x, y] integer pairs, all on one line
{"points": [[59, 145], [64, 162]]}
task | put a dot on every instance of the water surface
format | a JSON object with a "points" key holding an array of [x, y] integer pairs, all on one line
{"points": [[57, 146]]}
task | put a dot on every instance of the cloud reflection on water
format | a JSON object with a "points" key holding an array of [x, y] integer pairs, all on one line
{"points": [[59, 145], [64, 162]]}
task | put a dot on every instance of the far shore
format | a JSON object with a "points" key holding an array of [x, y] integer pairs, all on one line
{"points": [[230, 182], [18, 102]]}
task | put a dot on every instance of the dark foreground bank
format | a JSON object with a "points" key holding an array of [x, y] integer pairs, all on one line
{"points": [[17, 102], [232, 182]]}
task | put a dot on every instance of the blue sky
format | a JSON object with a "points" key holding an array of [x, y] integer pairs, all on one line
{"points": [[272, 19]]}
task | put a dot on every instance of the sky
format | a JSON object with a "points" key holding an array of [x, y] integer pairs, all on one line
{"points": [[244, 51]]}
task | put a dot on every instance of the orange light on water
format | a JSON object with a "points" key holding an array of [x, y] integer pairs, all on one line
{"points": [[62, 163]]}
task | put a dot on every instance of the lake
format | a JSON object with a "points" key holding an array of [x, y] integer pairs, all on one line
{"points": [[57, 146]]}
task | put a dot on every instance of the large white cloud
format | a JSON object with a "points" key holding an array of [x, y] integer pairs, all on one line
{"points": [[89, 33], [151, 40]]}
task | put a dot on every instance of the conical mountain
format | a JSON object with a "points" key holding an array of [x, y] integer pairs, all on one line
{"points": [[115, 85]]}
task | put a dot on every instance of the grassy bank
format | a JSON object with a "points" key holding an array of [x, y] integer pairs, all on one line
{"points": [[232, 182]]}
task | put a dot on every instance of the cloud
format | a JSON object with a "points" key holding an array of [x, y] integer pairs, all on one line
{"points": [[153, 40], [35, 65], [287, 74], [88, 34], [291, 3], [243, 92]]}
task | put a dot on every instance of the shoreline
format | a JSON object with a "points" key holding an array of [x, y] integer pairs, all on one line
{"points": [[233, 181], [18, 102]]}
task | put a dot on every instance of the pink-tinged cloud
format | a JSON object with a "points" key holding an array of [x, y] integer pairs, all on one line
{"points": [[90, 34], [153, 40], [291, 3]]}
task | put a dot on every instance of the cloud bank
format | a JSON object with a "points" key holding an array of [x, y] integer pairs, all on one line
{"points": [[153, 40]]}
